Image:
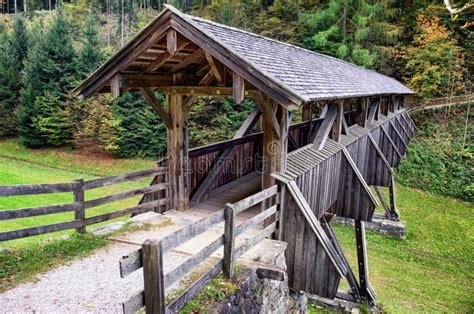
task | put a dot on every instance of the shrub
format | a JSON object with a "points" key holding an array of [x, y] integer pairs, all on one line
{"points": [[439, 158]]}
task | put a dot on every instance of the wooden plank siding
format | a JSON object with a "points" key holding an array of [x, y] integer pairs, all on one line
{"points": [[336, 180]]}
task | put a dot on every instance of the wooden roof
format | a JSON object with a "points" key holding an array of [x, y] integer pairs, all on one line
{"points": [[287, 73]]}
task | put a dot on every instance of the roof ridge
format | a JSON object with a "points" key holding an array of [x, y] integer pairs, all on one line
{"points": [[193, 17]]}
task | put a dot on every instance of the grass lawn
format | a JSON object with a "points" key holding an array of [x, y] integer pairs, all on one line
{"points": [[433, 269], [19, 165]]}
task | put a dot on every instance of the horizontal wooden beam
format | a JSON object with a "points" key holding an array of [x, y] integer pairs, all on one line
{"points": [[31, 189], [32, 231], [96, 183]]}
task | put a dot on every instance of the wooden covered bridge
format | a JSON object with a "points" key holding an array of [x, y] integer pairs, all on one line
{"points": [[355, 130]]}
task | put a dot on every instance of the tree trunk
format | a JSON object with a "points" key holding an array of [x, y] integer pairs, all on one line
{"points": [[121, 26]]}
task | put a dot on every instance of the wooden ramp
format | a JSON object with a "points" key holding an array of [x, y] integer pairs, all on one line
{"points": [[230, 193]]}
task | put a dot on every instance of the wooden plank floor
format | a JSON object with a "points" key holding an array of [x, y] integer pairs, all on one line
{"points": [[230, 193]]}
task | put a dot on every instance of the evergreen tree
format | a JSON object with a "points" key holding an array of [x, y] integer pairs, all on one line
{"points": [[19, 42], [91, 55], [137, 130], [7, 98], [13, 50], [50, 69], [359, 31]]}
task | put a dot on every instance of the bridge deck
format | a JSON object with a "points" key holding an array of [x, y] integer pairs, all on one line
{"points": [[230, 193]]}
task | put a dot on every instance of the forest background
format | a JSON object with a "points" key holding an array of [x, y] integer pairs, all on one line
{"points": [[47, 47]]}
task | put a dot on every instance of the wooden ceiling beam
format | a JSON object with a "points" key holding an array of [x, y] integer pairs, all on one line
{"points": [[214, 69], [200, 90], [187, 61], [138, 45], [207, 79], [158, 62]]}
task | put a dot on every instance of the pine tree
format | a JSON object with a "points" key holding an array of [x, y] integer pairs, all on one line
{"points": [[50, 68], [19, 42], [13, 50], [137, 130], [355, 30], [7, 98], [91, 55]]}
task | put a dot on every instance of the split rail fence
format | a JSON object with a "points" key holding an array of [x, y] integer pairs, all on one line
{"points": [[150, 256], [80, 204]]}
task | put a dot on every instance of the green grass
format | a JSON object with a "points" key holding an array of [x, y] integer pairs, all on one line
{"points": [[433, 269], [72, 161], [50, 166], [25, 263]]}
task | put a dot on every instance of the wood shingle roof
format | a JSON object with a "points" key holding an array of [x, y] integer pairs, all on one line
{"points": [[310, 75], [287, 73]]}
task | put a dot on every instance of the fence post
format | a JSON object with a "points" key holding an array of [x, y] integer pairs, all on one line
{"points": [[153, 277], [229, 240], [80, 214]]}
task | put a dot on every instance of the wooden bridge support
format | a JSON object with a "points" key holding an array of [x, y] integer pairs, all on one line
{"points": [[276, 121], [178, 153], [367, 294]]}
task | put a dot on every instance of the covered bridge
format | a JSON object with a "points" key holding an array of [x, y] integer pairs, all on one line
{"points": [[323, 166]]}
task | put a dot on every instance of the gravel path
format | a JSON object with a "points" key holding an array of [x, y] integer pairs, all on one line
{"points": [[87, 285], [93, 284]]}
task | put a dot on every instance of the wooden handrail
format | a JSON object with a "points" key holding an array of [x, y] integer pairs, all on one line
{"points": [[138, 259]]}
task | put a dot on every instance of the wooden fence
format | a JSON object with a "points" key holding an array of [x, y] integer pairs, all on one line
{"points": [[435, 103], [80, 204], [150, 256]]}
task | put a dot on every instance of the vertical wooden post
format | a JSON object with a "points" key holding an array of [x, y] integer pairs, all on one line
{"points": [[307, 115], [361, 113], [362, 262], [384, 105], [395, 215], [281, 210], [336, 128], [153, 277], [274, 147], [80, 213], [229, 240], [238, 88], [115, 85], [177, 152]]}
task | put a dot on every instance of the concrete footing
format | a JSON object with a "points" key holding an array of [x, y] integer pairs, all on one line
{"points": [[379, 224]]}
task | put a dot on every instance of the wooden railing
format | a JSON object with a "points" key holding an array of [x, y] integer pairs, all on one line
{"points": [[434, 103], [150, 256], [80, 204], [242, 160], [245, 158]]}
